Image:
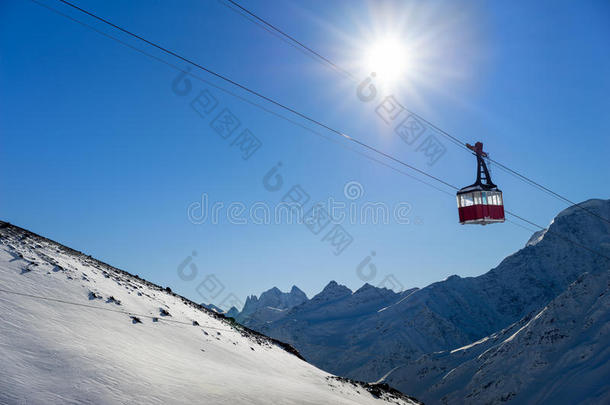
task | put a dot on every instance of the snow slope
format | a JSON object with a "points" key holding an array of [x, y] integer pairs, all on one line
{"points": [[559, 355], [75, 330]]}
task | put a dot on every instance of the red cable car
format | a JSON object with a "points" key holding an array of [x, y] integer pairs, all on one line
{"points": [[480, 203]]}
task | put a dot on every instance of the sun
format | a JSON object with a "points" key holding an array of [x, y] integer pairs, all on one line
{"points": [[388, 59]]}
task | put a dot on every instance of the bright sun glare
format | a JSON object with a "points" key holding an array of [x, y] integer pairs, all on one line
{"points": [[387, 58], [413, 49]]}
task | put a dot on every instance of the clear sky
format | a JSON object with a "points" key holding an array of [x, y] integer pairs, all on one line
{"points": [[98, 152]]}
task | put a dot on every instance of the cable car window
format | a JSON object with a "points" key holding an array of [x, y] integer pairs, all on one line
{"points": [[467, 200], [484, 195]]}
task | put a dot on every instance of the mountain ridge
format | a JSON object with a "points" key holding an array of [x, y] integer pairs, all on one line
{"points": [[532, 360], [450, 313]]}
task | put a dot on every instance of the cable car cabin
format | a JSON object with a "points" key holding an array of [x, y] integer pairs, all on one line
{"points": [[480, 203], [480, 206]]}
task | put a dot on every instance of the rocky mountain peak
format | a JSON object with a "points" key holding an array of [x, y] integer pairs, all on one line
{"points": [[273, 299], [296, 290], [332, 290]]}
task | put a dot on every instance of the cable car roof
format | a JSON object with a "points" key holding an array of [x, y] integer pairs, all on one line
{"points": [[478, 187]]}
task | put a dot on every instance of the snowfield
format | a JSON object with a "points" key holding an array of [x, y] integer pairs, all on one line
{"points": [[75, 330]]}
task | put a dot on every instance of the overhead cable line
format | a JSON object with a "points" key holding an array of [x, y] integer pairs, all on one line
{"points": [[289, 109], [245, 100], [454, 139], [256, 93], [302, 115], [272, 28], [291, 38]]}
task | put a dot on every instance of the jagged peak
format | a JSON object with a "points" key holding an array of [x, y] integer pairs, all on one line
{"points": [[333, 289], [333, 285], [296, 290], [367, 287], [272, 291]]}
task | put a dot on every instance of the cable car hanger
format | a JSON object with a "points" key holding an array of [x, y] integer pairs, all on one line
{"points": [[480, 203]]}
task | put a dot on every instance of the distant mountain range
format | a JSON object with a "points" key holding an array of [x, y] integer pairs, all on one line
{"points": [[375, 333]]}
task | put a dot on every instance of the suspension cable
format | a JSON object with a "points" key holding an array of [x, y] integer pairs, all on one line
{"points": [[302, 115], [454, 139]]}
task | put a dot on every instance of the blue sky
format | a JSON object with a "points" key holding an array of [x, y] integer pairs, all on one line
{"points": [[98, 152]]}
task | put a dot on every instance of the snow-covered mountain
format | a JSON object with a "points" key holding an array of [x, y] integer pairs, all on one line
{"points": [[335, 320], [369, 341], [75, 330], [557, 355], [270, 306]]}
